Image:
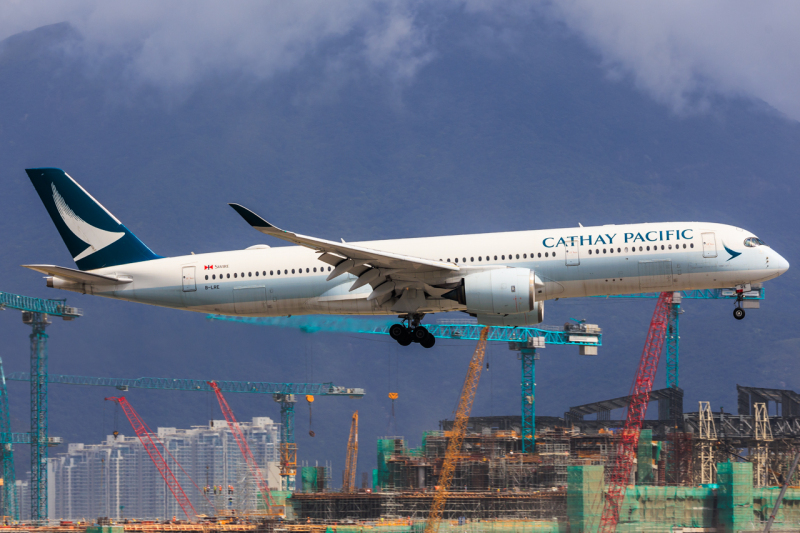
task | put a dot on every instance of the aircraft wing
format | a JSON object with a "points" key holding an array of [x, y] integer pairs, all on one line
{"points": [[370, 265]]}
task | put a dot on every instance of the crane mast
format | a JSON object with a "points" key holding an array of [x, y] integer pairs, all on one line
{"points": [[349, 484], [457, 435], [640, 396]]}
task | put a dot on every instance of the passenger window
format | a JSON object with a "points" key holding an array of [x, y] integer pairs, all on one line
{"points": [[662, 246], [590, 252], [249, 274], [626, 249], [264, 273], [206, 276], [213, 276], [229, 276], [256, 273], [684, 246], [285, 272], [503, 257], [464, 259], [456, 259], [619, 250], [292, 271], [640, 248], [545, 254], [495, 258], [597, 251], [270, 272], [329, 269], [480, 258], [487, 258], [517, 256], [691, 245], [648, 248], [604, 250], [611, 250], [315, 269], [669, 247], [524, 256], [540, 254], [471, 259], [306, 271], [234, 275]]}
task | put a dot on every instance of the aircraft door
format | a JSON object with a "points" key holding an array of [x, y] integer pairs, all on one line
{"points": [[189, 281], [572, 256], [709, 245]]}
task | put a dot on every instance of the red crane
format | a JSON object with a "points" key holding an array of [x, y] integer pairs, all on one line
{"points": [[640, 396], [245, 449], [140, 428]]}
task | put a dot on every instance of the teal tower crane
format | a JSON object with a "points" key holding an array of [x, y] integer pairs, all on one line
{"points": [[36, 312], [526, 340]]}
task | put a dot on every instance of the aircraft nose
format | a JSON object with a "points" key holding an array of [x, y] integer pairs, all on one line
{"points": [[779, 263]]}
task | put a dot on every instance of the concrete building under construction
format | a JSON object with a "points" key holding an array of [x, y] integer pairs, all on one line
{"points": [[700, 469]]}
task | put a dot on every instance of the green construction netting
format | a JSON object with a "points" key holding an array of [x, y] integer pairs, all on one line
{"points": [[644, 458], [499, 526], [308, 475], [735, 495]]}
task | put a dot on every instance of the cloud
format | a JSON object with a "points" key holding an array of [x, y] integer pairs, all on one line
{"points": [[177, 43], [685, 52]]}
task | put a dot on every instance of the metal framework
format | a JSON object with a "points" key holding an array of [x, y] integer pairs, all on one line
{"points": [[528, 357], [708, 435], [263, 487], [349, 484], [640, 396], [459, 430], [141, 430], [763, 435], [9, 504], [467, 331]]}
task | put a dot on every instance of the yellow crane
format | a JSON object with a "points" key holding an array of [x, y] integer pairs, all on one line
{"points": [[349, 484], [457, 435]]}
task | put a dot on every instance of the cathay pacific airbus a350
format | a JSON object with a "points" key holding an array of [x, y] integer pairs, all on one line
{"points": [[499, 278]]}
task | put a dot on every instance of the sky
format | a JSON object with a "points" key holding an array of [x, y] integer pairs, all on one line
{"points": [[681, 53], [370, 120]]}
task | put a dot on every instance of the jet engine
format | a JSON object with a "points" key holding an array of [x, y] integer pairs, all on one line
{"points": [[500, 297]]}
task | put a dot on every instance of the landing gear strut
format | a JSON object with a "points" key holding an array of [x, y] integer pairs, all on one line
{"points": [[738, 312], [413, 332]]}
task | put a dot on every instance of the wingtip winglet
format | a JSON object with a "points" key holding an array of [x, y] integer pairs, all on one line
{"points": [[250, 217]]}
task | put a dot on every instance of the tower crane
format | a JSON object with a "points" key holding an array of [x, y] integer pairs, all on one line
{"points": [[36, 312], [263, 487], [525, 340], [640, 396], [141, 430], [349, 484], [457, 435]]}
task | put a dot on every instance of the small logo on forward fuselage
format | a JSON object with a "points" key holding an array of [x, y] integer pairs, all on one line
{"points": [[734, 255]]}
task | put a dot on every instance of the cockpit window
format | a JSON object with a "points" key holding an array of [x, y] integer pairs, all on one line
{"points": [[752, 242]]}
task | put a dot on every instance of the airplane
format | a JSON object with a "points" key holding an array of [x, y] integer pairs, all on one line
{"points": [[501, 279]]}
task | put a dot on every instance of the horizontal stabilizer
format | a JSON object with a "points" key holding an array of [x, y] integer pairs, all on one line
{"points": [[79, 276]]}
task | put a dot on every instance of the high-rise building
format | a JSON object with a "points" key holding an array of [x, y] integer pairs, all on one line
{"points": [[117, 478]]}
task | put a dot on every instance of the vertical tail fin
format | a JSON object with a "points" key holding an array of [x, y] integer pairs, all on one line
{"points": [[93, 236]]}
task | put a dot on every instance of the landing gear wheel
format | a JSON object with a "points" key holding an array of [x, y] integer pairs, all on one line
{"points": [[428, 341], [404, 341], [738, 313], [419, 334], [398, 331]]}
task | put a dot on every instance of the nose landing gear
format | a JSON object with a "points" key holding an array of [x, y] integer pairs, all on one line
{"points": [[414, 332], [738, 312]]}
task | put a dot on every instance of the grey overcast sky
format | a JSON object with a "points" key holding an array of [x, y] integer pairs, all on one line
{"points": [[685, 54]]}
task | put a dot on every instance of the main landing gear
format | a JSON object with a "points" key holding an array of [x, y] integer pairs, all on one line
{"points": [[414, 332]]}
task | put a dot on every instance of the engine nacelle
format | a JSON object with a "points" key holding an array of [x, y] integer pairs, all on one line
{"points": [[501, 291], [519, 319]]}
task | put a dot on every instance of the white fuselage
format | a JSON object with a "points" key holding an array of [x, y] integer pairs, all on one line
{"points": [[573, 262]]}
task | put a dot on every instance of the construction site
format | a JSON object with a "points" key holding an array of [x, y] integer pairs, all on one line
{"points": [[598, 467]]}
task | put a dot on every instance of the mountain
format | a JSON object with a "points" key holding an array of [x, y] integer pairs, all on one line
{"points": [[486, 137]]}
